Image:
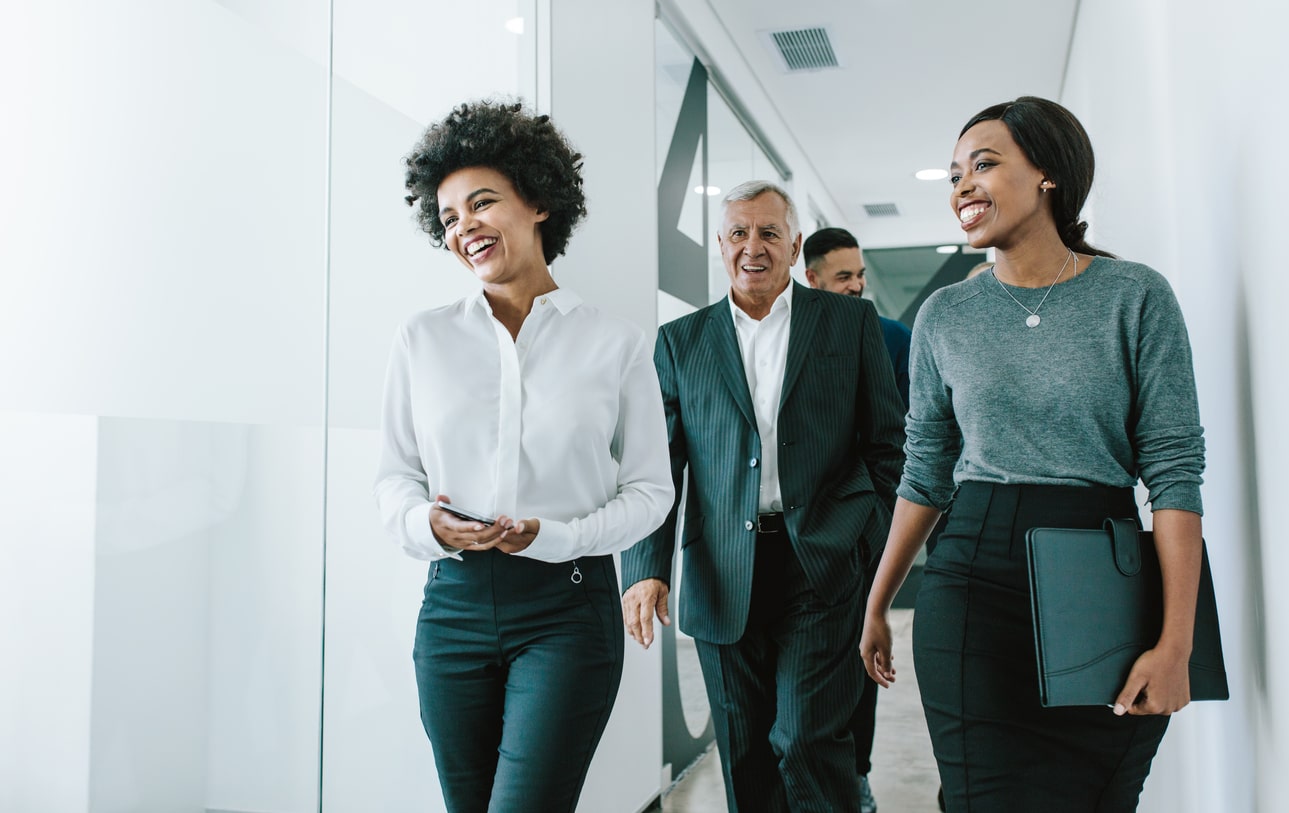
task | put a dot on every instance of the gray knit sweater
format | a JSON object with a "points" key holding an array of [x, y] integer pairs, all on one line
{"points": [[1101, 392]]}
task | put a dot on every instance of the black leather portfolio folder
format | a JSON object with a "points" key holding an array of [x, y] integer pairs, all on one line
{"points": [[1098, 603]]}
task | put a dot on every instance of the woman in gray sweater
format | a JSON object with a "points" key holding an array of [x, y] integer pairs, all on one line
{"points": [[1042, 390]]}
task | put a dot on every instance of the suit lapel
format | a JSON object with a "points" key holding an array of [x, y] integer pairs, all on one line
{"points": [[724, 343], [801, 334]]}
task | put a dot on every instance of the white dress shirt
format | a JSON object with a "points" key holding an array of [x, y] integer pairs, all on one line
{"points": [[764, 346], [563, 423]]}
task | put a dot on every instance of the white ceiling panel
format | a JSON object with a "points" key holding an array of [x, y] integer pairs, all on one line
{"points": [[911, 73]]}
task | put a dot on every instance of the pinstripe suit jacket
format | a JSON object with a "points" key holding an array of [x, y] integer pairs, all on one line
{"points": [[841, 435]]}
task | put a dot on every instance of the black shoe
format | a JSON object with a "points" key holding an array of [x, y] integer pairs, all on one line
{"points": [[867, 804]]}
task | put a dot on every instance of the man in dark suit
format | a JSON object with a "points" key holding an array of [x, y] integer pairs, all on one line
{"points": [[781, 402], [835, 263]]}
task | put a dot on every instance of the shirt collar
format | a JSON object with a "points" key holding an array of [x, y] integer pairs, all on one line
{"points": [[563, 299], [782, 302], [478, 301]]}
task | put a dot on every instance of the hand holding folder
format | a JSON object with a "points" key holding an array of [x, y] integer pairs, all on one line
{"points": [[1097, 601]]}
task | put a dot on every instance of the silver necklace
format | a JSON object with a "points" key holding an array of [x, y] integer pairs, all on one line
{"points": [[1033, 320]]}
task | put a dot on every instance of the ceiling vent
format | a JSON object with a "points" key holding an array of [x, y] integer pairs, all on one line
{"points": [[802, 49], [881, 210]]}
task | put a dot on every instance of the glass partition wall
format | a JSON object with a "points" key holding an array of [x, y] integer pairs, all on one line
{"points": [[205, 256], [704, 149], [162, 323]]}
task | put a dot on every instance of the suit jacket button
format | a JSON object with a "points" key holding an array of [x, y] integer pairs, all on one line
{"points": [[749, 525], [753, 463]]}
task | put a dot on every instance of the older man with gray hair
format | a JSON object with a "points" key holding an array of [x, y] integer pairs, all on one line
{"points": [[781, 403]]}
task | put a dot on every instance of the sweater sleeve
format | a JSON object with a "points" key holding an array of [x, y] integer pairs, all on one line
{"points": [[1167, 438], [934, 440]]}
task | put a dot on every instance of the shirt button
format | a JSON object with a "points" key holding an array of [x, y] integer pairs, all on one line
{"points": [[749, 525], [543, 300], [752, 463]]}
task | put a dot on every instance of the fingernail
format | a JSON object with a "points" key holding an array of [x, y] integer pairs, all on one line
{"points": [[1119, 709]]}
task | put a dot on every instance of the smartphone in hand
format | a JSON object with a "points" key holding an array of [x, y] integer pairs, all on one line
{"points": [[464, 513]]}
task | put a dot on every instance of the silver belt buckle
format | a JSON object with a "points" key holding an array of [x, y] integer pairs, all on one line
{"points": [[762, 529]]}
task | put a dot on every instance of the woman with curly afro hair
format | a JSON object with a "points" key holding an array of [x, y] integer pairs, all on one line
{"points": [[523, 443]]}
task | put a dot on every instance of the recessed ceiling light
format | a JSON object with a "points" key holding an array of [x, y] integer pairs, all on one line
{"points": [[931, 174], [712, 191], [946, 250], [515, 25]]}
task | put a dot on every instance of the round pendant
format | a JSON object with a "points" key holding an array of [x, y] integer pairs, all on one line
{"points": [[1033, 320]]}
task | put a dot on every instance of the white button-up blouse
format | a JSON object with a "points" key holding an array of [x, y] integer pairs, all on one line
{"points": [[564, 423]]}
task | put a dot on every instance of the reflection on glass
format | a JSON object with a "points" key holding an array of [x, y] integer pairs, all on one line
{"points": [[672, 64], [733, 157]]}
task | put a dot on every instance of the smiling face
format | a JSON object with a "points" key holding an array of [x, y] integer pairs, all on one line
{"points": [[489, 226], [998, 195], [759, 248], [840, 271]]}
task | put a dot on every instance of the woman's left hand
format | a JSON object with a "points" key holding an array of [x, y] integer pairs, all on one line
{"points": [[518, 534], [1159, 683]]}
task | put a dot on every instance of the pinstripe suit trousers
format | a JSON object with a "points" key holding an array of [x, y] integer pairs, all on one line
{"points": [[782, 695]]}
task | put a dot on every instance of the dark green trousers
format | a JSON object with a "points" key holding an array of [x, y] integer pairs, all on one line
{"points": [[517, 665]]}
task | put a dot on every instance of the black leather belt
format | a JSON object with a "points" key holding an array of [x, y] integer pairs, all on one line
{"points": [[770, 524]]}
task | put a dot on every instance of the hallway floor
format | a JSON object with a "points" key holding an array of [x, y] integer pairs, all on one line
{"points": [[904, 777]]}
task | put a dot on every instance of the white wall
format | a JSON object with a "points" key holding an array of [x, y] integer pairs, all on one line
{"points": [[602, 95], [47, 601], [1182, 100], [163, 213]]}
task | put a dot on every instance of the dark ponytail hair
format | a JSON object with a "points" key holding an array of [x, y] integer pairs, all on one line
{"points": [[1054, 141]]}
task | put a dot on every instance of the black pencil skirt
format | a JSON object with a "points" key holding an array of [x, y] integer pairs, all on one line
{"points": [[973, 648]]}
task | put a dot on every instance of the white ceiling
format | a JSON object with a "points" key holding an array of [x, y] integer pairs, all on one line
{"points": [[912, 72]]}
